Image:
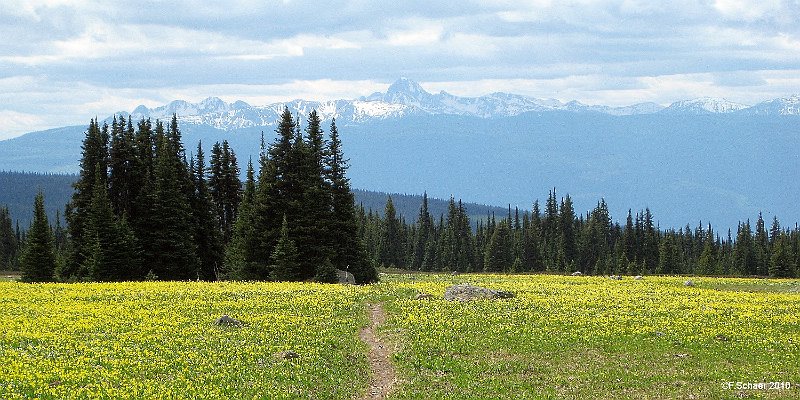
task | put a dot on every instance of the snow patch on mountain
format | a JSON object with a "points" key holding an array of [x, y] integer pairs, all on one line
{"points": [[783, 106], [406, 97], [704, 105]]}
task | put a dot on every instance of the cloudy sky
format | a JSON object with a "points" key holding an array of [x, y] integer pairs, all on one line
{"points": [[63, 62]]}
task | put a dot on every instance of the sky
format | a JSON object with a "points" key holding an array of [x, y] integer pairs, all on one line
{"points": [[63, 62]]}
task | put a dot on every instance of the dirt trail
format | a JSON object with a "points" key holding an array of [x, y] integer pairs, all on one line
{"points": [[383, 373]]}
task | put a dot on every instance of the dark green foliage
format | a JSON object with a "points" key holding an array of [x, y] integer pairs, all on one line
{"points": [[8, 241], [94, 157], [38, 260], [391, 244], [207, 232], [347, 249], [225, 187], [172, 246], [499, 255], [285, 257], [111, 249], [782, 263]]}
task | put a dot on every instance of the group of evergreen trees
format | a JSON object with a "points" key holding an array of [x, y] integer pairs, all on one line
{"points": [[10, 241], [557, 240], [297, 217], [141, 210]]}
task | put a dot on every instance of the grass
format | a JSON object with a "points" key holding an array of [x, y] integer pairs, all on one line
{"points": [[592, 337], [9, 276], [560, 337]]}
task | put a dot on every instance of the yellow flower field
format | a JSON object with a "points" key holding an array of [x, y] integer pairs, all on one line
{"points": [[593, 337], [559, 337], [158, 340]]}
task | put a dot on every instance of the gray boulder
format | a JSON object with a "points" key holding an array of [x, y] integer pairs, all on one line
{"points": [[345, 277], [227, 321], [467, 292]]}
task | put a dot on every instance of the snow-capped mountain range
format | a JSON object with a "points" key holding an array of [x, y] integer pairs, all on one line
{"points": [[406, 97]]}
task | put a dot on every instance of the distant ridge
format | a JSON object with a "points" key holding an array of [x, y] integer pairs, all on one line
{"points": [[406, 97]]}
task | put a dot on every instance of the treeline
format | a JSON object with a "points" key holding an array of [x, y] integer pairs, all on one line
{"points": [[558, 240], [142, 210]]}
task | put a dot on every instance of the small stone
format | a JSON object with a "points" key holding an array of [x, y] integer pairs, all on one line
{"points": [[577, 273], [227, 321], [287, 355], [466, 292], [423, 296]]}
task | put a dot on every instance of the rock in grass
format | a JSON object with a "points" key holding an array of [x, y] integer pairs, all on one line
{"points": [[467, 292], [577, 273], [688, 283], [637, 278], [345, 277], [287, 355], [227, 321]]}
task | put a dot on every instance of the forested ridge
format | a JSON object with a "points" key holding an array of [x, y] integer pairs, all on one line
{"points": [[558, 240], [146, 208]]}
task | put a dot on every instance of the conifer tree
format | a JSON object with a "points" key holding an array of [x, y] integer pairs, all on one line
{"points": [[313, 204], [744, 259], [94, 153], [206, 229], [8, 241], [224, 187], [499, 255], [391, 242], [172, 243], [761, 247], [111, 253], [38, 261], [284, 257], [348, 250], [567, 239], [241, 253], [782, 263], [423, 233]]}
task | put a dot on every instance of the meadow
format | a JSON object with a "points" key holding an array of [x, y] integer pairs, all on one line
{"points": [[559, 337]]}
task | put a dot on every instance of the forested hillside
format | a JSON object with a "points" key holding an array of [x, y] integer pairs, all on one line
{"points": [[17, 190]]}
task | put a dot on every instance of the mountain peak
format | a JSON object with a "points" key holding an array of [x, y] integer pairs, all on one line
{"points": [[406, 91]]}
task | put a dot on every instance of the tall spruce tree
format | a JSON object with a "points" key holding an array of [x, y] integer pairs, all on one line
{"points": [[8, 241], [94, 154], [285, 257], [391, 244], [348, 250], [206, 229], [38, 261], [111, 249], [172, 243]]}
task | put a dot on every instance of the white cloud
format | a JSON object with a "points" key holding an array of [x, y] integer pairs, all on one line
{"points": [[751, 10], [17, 123]]}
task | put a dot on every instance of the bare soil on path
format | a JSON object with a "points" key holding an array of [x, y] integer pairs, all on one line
{"points": [[384, 375]]}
